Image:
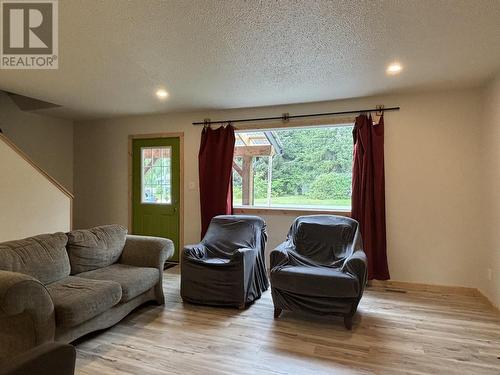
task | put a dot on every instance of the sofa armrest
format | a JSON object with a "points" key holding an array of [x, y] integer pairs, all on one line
{"points": [[51, 358], [26, 313], [145, 251]]}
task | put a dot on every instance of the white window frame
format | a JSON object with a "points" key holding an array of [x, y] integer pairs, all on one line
{"points": [[142, 174], [274, 209]]}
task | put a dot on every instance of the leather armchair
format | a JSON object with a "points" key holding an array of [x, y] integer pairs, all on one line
{"points": [[321, 268]]}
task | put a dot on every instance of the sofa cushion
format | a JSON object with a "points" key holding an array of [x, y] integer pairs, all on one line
{"points": [[315, 281], [133, 280], [43, 257], [94, 248], [77, 300]]}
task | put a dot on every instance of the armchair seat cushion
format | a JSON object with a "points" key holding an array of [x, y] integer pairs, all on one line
{"points": [[133, 280], [315, 281], [77, 299]]}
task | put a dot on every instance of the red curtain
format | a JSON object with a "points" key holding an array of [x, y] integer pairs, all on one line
{"points": [[368, 193], [215, 163]]}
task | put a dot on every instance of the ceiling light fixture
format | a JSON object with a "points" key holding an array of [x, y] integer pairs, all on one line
{"points": [[161, 93], [394, 68]]}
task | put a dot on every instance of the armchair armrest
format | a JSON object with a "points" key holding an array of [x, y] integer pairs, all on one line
{"points": [[245, 259], [51, 358], [356, 265], [145, 251], [26, 313], [279, 256], [198, 251], [245, 253]]}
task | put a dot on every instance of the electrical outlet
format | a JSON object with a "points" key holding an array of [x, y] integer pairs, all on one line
{"points": [[490, 273]]}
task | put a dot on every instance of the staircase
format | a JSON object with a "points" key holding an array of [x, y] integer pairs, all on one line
{"points": [[31, 201]]}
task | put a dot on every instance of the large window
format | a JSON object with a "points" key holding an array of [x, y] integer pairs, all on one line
{"points": [[297, 168]]}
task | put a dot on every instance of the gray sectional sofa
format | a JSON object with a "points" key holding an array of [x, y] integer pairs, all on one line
{"points": [[62, 286]]}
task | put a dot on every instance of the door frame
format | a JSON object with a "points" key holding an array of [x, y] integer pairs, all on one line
{"points": [[179, 135]]}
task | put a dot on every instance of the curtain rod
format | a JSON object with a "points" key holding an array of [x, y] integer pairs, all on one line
{"points": [[286, 116]]}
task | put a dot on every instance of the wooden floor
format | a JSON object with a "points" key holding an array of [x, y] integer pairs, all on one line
{"points": [[393, 333]]}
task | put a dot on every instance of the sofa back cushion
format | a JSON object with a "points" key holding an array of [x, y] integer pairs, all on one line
{"points": [[43, 257], [89, 249]]}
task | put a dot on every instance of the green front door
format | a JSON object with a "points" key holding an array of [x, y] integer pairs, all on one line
{"points": [[156, 189]]}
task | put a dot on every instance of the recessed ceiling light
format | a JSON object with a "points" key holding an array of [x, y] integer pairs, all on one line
{"points": [[394, 68], [161, 93]]}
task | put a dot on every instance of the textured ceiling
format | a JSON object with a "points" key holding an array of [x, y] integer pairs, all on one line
{"points": [[114, 54]]}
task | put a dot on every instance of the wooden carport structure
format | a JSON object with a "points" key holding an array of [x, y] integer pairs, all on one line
{"points": [[249, 145]]}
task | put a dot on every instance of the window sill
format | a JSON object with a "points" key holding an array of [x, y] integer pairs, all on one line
{"points": [[288, 211]]}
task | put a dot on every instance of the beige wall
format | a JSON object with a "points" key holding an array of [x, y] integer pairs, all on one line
{"points": [[432, 153], [490, 219], [48, 141], [29, 203]]}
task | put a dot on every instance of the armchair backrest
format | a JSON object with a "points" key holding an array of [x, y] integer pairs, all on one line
{"points": [[228, 233], [324, 239]]}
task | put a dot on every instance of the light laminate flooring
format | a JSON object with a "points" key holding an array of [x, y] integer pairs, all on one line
{"points": [[405, 332]]}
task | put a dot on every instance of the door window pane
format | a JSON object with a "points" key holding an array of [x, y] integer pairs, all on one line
{"points": [[156, 175]]}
